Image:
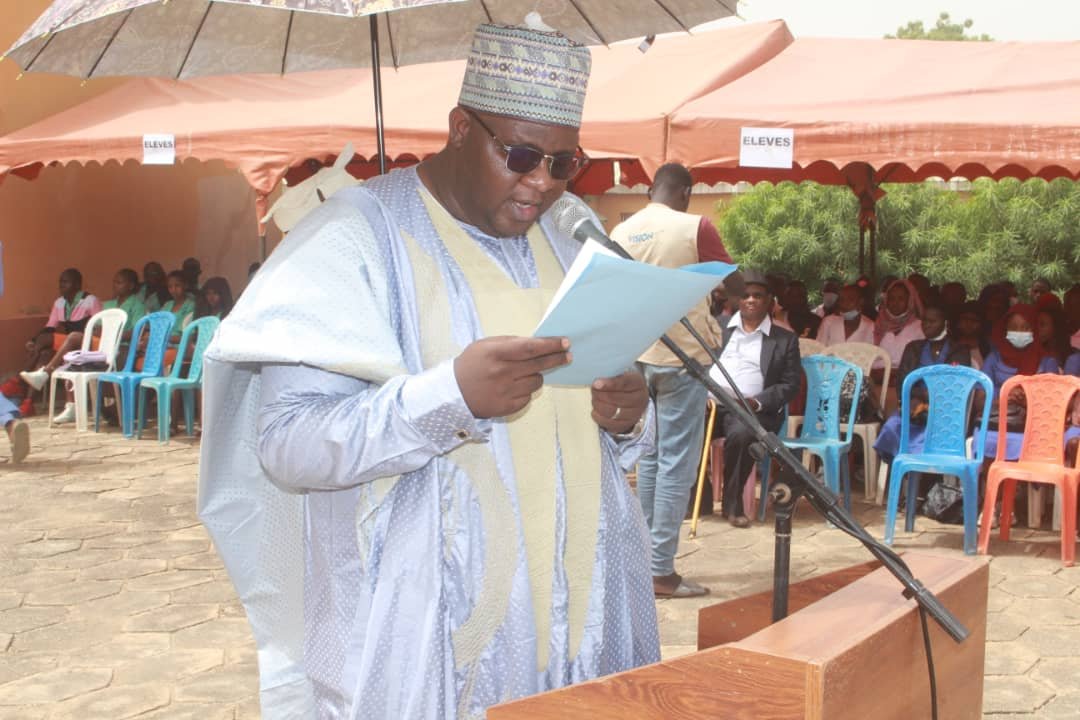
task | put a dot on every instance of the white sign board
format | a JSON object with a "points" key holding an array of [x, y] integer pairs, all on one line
{"points": [[159, 149], [766, 147]]}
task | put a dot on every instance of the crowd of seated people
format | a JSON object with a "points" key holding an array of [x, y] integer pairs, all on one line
{"points": [[918, 324], [177, 292]]}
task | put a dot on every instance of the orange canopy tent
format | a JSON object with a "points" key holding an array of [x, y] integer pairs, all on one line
{"points": [[865, 112], [263, 125]]}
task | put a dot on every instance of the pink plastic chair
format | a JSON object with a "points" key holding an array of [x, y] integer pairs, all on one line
{"points": [[1042, 456]]}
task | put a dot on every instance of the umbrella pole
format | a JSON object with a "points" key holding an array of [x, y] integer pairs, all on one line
{"points": [[377, 82], [862, 250]]}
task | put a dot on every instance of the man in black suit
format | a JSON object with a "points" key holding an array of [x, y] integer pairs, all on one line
{"points": [[763, 360]]}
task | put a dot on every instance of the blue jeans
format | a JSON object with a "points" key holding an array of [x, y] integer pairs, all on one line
{"points": [[666, 477], [8, 411]]}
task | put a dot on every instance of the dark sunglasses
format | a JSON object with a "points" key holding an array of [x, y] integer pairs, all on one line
{"points": [[523, 159]]}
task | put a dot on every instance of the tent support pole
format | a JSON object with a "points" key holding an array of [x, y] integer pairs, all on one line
{"points": [[376, 79], [862, 250]]}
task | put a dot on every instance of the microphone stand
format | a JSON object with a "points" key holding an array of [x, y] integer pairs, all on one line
{"points": [[795, 481]]}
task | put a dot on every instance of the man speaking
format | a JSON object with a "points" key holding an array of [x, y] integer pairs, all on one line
{"points": [[417, 526]]}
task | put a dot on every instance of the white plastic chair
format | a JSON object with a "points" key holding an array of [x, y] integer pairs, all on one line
{"points": [[866, 356], [112, 323]]}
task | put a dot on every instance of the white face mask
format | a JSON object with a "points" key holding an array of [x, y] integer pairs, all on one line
{"points": [[940, 336], [829, 299], [1019, 339], [851, 314]]}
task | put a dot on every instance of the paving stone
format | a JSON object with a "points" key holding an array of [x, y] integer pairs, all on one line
{"points": [[1005, 627], [122, 648], [1057, 673], [10, 600], [169, 549], [173, 580], [124, 569], [195, 532], [10, 537], [19, 665], [25, 618], [168, 523], [1060, 641], [96, 485], [68, 636], [125, 602], [168, 668], [74, 593], [249, 709], [37, 581], [1009, 658], [46, 548], [1062, 707], [195, 711], [32, 712], [86, 532], [53, 686], [1027, 564], [1052, 611], [116, 702], [80, 559], [5, 641], [222, 685], [126, 540], [214, 591], [999, 602], [201, 561], [1012, 694], [1040, 586], [171, 617], [242, 655], [220, 633]]}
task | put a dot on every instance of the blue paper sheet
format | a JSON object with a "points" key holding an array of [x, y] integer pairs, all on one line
{"points": [[613, 309]]}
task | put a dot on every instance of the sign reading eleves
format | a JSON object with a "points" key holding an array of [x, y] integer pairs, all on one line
{"points": [[766, 147], [159, 149]]}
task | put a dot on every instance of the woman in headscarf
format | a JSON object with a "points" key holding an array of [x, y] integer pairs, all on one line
{"points": [[1016, 352], [900, 320]]}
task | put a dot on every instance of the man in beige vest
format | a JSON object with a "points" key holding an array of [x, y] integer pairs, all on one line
{"points": [[664, 234]]}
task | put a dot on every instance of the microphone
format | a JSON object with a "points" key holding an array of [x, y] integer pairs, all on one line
{"points": [[572, 217]]}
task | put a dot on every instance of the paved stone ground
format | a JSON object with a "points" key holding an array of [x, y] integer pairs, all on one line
{"points": [[114, 605]]}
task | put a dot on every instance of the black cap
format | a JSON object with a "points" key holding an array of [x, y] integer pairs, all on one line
{"points": [[753, 277]]}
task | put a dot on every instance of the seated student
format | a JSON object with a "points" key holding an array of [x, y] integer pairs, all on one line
{"points": [[153, 292], [1014, 353], [191, 270], [69, 315], [953, 295], [935, 349], [848, 324], [215, 299], [18, 431], [830, 293], [763, 360], [180, 303], [126, 298], [1050, 329], [898, 323], [967, 332], [801, 319]]}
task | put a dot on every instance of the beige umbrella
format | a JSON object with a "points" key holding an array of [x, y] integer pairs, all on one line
{"points": [[188, 38]]}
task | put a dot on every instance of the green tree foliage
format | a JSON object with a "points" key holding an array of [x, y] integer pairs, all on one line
{"points": [[944, 29], [1007, 230]]}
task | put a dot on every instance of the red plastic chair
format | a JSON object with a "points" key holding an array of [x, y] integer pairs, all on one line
{"points": [[1042, 456]]}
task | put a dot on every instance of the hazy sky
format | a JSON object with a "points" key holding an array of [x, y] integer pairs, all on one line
{"points": [[1001, 19]]}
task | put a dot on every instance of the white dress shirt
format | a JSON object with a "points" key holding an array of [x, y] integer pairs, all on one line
{"points": [[742, 357], [894, 343]]}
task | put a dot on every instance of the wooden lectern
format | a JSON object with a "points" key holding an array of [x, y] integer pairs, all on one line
{"points": [[852, 648]]}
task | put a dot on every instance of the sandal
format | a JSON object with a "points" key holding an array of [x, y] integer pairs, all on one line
{"points": [[684, 589]]}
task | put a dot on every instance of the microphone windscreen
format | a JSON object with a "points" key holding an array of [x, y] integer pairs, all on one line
{"points": [[567, 212]]}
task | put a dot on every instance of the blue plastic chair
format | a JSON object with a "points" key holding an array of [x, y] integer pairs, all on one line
{"points": [[159, 325], [203, 329], [820, 434], [950, 389]]}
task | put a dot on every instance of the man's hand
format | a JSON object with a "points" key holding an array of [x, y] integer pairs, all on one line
{"points": [[498, 375], [619, 402]]}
